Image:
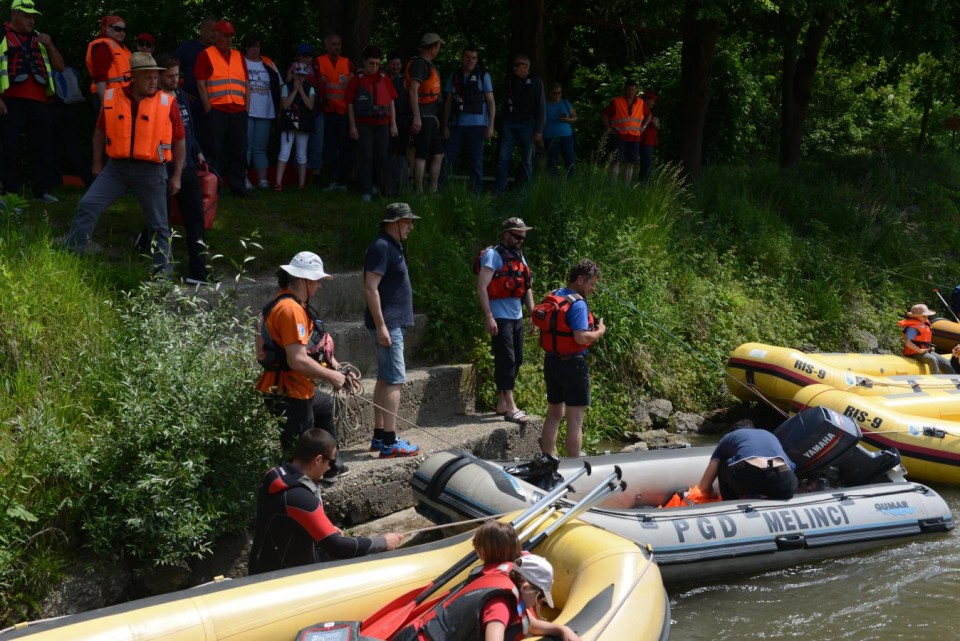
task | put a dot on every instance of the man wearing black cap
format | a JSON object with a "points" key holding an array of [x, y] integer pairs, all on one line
{"points": [[389, 296], [504, 289]]}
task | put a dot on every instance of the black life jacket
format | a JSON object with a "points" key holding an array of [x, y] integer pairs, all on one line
{"points": [[468, 95], [25, 58], [457, 617], [522, 97], [273, 358], [297, 117], [366, 104]]}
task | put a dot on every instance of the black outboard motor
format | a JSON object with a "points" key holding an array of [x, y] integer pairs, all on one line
{"points": [[826, 443]]}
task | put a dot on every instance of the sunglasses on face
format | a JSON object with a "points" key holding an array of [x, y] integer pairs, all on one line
{"points": [[517, 237], [120, 29]]}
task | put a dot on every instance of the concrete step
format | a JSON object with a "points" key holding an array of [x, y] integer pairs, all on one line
{"points": [[430, 395], [377, 487], [338, 299], [354, 344]]}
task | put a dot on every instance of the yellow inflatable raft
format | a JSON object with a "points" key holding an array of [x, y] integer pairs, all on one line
{"points": [[778, 373], [929, 447], [946, 334], [606, 587]]}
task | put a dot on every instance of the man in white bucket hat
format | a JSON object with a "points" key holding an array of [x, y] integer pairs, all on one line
{"points": [[296, 352]]}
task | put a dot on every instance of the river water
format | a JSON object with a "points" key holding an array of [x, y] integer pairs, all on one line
{"points": [[906, 591]]}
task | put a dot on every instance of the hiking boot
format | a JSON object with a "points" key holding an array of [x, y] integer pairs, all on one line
{"points": [[334, 474], [399, 449], [376, 445]]}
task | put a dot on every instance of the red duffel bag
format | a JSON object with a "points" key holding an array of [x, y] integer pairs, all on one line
{"points": [[209, 190]]}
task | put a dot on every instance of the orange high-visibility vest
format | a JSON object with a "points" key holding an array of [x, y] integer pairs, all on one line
{"points": [[336, 78], [118, 76], [627, 121], [227, 84], [150, 138]]}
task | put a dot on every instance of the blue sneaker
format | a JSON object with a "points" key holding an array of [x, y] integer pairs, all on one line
{"points": [[376, 444], [399, 449]]}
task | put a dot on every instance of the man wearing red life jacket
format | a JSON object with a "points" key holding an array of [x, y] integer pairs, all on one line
{"points": [[335, 71], [423, 87], [504, 289], [141, 130], [565, 337], [223, 86], [27, 61], [370, 96], [918, 340], [626, 117]]}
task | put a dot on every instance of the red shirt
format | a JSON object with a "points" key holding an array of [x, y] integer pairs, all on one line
{"points": [[379, 86], [203, 69], [29, 89], [179, 133], [102, 57]]}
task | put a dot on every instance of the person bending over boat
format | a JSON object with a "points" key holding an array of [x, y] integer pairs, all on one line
{"points": [[918, 340], [292, 528], [493, 599], [750, 463]]}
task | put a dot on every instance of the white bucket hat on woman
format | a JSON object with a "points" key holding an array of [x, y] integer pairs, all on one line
{"points": [[538, 571], [306, 265]]}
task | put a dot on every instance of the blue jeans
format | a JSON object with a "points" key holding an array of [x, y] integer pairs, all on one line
{"points": [[391, 368], [556, 146], [258, 135], [315, 149], [472, 139], [515, 133]]}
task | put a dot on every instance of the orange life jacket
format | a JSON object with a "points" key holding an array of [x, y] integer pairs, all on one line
{"points": [[924, 334], [118, 75], [550, 316], [627, 121], [227, 84], [150, 138], [336, 78], [693, 496], [513, 278], [429, 90]]}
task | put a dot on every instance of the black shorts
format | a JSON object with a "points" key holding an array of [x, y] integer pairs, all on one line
{"points": [[427, 142], [743, 480], [627, 151], [567, 380]]}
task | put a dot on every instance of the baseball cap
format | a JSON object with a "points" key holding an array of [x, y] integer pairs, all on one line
{"points": [[225, 27], [538, 571], [304, 49], [398, 211], [429, 39], [306, 265], [25, 6], [515, 224], [147, 37]]}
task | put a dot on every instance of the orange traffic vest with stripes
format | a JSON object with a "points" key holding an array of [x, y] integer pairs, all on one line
{"points": [[118, 75], [429, 90], [627, 121], [924, 334], [227, 84], [336, 77], [150, 138]]}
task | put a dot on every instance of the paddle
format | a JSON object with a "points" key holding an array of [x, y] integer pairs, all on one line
{"points": [[384, 623]]}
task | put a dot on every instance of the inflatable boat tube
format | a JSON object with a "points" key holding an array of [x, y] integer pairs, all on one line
{"points": [[697, 544], [778, 373], [605, 587], [929, 447], [946, 334]]}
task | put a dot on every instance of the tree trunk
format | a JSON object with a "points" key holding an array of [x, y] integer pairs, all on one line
{"points": [[925, 122], [352, 19], [527, 33], [696, 62], [797, 80]]}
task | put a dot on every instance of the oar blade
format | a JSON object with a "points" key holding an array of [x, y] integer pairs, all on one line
{"points": [[385, 622]]}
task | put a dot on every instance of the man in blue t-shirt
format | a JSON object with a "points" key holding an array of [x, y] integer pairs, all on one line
{"points": [[504, 289], [750, 463], [389, 296], [565, 371], [468, 115]]}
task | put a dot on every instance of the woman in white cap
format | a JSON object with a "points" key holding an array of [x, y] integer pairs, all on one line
{"points": [[918, 340], [290, 341], [533, 576]]}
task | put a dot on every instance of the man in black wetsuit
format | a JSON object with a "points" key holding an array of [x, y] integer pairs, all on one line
{"points": [[292, 528]]}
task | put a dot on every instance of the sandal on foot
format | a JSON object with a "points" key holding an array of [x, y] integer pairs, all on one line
{"points": [[519, 417]]}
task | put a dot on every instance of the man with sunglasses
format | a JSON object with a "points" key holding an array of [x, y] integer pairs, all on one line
{"points": [[504, 288], [292, 528], [524, 117]]}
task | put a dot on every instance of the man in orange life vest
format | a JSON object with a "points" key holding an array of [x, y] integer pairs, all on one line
{"points": [[564, 365], [918, 337], [141, 130], [335, 71], [423, 85], [27, 60], [504, 289], [627, 117], [221, 74]]}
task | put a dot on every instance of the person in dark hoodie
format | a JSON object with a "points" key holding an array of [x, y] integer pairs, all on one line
{"points": [[292, 528]]}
